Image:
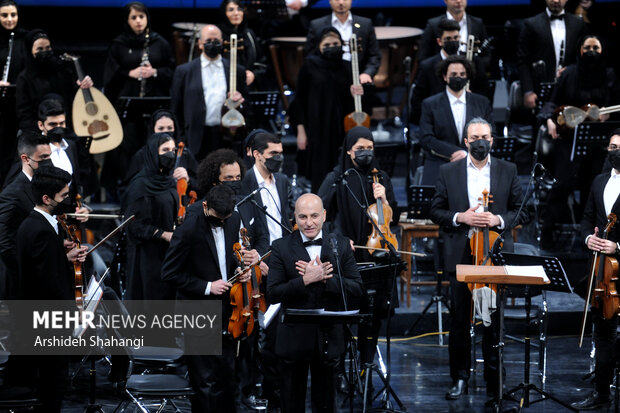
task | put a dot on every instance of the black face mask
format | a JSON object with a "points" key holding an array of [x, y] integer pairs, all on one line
{"points": [[457, 83], [614, 159], [214, 221], [451, 47], [332, 53], [480, 149], [57, 134], [364, 157], [46, 59], [166, 161], [63, 207], [213, 49], [591, 58], [44, 162], [234, 185], [274, 163]]}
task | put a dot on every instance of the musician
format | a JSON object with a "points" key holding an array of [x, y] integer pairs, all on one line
{"points": [[588, 81], [455, 10], [324, 97], [199, 261], [9, 19], [250, 53], [456, 208], [199, 90], [551, 37], [601, 202], [45, 273], [444, 116], [44, 74], [303, 274], [275, 189], [153, 198], [16, 202]]}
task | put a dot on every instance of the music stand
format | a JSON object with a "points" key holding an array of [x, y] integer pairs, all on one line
{"points": [[504, 148], [420, 198], [7, 96], [544, 94], [558, 282], [132, 105], [266, 9], [264, 106], [590, 137]]}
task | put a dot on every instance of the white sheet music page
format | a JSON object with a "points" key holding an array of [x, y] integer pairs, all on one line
{"points": [[537, 271]]}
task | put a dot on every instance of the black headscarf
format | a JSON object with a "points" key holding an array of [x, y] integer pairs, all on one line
{"points": [[150, 180], [129, 38], [331, 32], [225, 26], [31, 37], [164, 113], [592, 78]]}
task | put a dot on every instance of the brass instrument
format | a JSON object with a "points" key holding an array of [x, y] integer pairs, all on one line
{"points": [[144, 62]]}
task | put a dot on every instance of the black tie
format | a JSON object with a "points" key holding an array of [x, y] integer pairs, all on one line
{"points": [[558, 17], [318, 241]]}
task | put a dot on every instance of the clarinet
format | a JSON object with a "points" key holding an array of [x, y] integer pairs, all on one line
{"points": [[7, 65], [145, 60]]}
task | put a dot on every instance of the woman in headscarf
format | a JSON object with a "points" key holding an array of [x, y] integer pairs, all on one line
{"points": [[44, 74], [588, 81], [250, 53], [152, 197], [324, 98]]}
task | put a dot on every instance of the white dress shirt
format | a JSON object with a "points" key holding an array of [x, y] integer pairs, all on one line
{"points": [[271, 200], [220, 247], [458, 107], [612, 191], [346, 30], [292, 12], [558, 31], [313, 250], [59, 157], [462, 31], [53, 222], [214, 88], [477, 181], [27, 176]]}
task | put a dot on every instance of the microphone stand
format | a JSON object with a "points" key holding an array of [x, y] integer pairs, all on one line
{"points": [[387, 389], [263, 209]]}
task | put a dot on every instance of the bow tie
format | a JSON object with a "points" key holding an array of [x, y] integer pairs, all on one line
{"points": [[558, 17], [318, 241]]}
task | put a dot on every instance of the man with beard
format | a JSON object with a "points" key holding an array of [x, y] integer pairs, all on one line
{"points": [[441, 135], [457, 209]]}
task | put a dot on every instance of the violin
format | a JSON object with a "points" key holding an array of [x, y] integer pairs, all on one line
{"points": [[72, 235], [181, 184], [241, 322], [258, 298], [480, 244], [358, 117], [84, 235], [381, 214], [603, 277]]}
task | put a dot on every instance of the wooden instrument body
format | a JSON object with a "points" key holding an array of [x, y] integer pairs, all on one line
{"points": [[381, 214], [568, 117], [241, 322], [480, 244], [72, 235], [256, 278], [605, 296], [358, 117]]}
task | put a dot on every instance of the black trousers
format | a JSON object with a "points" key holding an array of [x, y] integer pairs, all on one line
{"points": [[213, 380], [294, 381], [459, 345], [605, 332]]}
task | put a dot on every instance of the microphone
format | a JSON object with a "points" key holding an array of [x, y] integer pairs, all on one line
{"points": [[333, 241], [545, 171], [250, 195]]}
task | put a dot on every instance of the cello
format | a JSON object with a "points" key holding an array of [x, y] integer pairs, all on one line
{"points": [[72, 235], [241, 322], [480, 244], [602, 282], [381, 214], [258, 298]]}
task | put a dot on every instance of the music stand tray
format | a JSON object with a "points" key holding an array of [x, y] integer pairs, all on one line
{"points": [[504, 148], [131, 105], [420, 198], [589, 137]]}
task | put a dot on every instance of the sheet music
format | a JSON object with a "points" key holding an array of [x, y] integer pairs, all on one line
{"points": [[271, 313], [537, 271], [92, 297]]}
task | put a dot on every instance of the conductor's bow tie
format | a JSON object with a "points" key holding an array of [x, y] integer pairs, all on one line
{"points": [[318, 241]]}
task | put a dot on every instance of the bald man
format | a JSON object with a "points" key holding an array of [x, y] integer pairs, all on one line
{"points": [[199, 89], [303, 274]]}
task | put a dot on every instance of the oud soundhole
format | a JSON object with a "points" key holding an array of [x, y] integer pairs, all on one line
{"points": [[91, 108]]}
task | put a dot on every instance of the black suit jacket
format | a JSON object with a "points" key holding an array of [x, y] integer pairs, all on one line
{"points": [[427, 83], [249, 184], [369, 56], [428, 43], [44, 271], [187, 98], [536, 43], [286, 286], [16, 202], [451, 197], [438, 132], [594, 213]]}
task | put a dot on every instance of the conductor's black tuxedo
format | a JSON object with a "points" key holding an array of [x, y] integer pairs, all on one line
{"points": [[188, 101], [301, 345], [536, 44], [369, 56], [438, 131], [451, 196], [428, 43]]}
